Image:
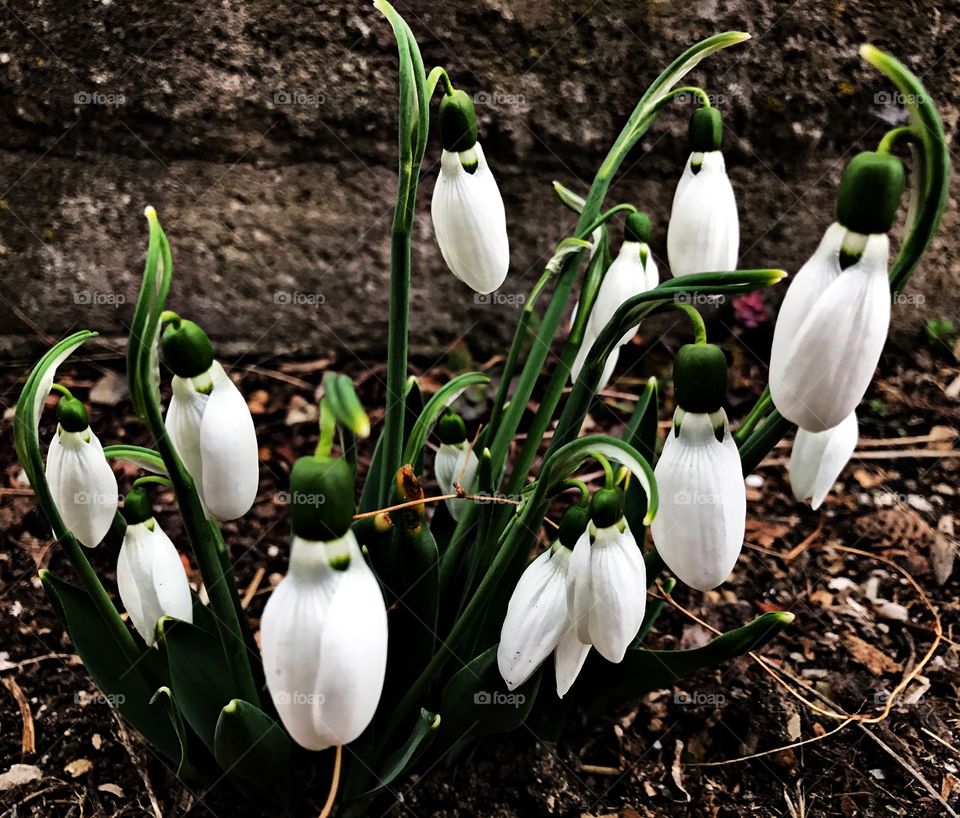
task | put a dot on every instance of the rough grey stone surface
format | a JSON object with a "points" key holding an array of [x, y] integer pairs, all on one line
{"points": [[263, 133]]}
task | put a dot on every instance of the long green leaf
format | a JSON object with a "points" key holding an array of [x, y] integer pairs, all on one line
{"points": [[444, 397], [255, 752], [147, 459]]}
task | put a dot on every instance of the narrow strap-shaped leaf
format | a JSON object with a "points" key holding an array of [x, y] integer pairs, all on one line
{"points": [[604, 686], [255, 752], [444, 397], [128, 687], [416, 744], [147, 459], [345, 405], [163, 701]]}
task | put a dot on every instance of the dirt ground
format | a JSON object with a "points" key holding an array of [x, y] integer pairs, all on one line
{"points": [[737, 741]]}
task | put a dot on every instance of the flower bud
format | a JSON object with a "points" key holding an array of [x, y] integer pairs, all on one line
{"points": [[637, 228], [573, 524], [606, 507], [72, 415], [451, 428], [137, 507], [706, 130], [186, 348], [870, 192], [458, 122], [700, 378], [321, 498]]}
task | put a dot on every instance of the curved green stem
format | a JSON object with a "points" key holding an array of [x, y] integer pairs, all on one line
{"points": [[328, 428], [61, 389], [579, 485], [609, 480], [896, 136], [152, 479], [699, 328], [691, 89], [436, 74]]}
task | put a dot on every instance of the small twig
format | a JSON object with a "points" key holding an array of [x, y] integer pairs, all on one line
{"points": [[771, 752], [141, 769], [251, 591], [28, 744]]}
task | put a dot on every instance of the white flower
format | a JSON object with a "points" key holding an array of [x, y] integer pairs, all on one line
{"points": [[210, 426], [538, 623], [323, 636], [607, 589], [83, 486], [700, 522], [470, 221], [151, 579], [818, 458], [632, 272], [704, 231], [830, 331], [455, 463]]}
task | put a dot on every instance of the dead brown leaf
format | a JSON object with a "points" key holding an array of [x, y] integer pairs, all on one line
{"points": [[874, 659]]}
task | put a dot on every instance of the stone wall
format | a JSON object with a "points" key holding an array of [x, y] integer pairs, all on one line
{"points": [[264, 134]]}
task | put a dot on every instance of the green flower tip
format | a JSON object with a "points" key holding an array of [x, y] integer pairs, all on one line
{"points": [[637, 228], [72, 415], [137, 507], [572, 525], [870, 191], [458, 122], [606, 507], [451, 429], [321, 498], [706, 130], [700, 378], [186, 348]]}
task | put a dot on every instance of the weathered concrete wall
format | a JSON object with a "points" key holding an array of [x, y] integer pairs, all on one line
{"points": [[263, 132]]}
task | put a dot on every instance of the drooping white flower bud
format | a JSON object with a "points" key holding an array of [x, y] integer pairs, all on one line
{"points": [[323, 637], [210, 425], [607, 579], [150, 574], [834, 319], [704, 232], [467, 209], [456, 462], [818, 458], [700, 522], [82, 484]]}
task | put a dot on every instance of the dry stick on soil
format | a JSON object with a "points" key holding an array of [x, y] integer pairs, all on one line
{"points": [[252, 588], [27, 737], [847, 719], [138, 763]]}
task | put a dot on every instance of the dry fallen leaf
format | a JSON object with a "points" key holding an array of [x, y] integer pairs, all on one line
{"points": [[109, 390], [943, 552], [113, 789], [874, 659], [78, 767], [257, 402]]}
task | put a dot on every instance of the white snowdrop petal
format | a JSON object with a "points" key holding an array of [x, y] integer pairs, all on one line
{"points": [[625, 278], [228, 448], [536, 617], [151, 580], [184, 416], [651, 272], [806, 287], [470, 223], [579, 587], [456, 464], [818, 458], [83, 486], [699, 527], [704, 231], [291, 630], [569, 657], [836, 349], [353, 652], [618, 581]]}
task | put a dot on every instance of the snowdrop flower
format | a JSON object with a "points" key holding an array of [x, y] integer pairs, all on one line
{"points": [[699, 527], [150, 575], [607, 579], [323, 633], [818, 458], [704, 232], [538, 620], [467, 208], [210, 424], [632, 272], [834, 319], [456, 462], [82, 484]]}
